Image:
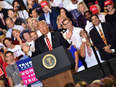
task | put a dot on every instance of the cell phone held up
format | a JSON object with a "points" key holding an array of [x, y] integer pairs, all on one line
{"points": [[83, 39]]}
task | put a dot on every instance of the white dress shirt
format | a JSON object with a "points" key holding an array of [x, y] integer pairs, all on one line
{"points": [[56, 3], [19, 27], [75, 38]]}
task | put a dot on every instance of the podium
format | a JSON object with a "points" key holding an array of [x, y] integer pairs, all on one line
{"points": [[60, 73]]}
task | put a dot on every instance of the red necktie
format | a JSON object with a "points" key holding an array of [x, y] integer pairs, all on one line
{"points": [[48, 43]]}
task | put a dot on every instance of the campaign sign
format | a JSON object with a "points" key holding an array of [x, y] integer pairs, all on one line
{"points": [[28, 76], [24, 64], [27, 72]]}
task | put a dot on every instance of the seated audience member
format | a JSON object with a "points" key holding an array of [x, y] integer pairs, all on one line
{"points": [[12, 26], [28, 40], [111, 16], [16, 34], [108, 82], [103, 37], [16, 49], [64, 12], [81, 19], [33, 13], [61, 27], [87, 51], [95, 9], [89, 24], [80, 84], [19, 10], [49, 15], [3, 16], [34, 27], [12, 71], [17, 21], [40, 47], [78, 64], [33, 35], [72, 33], [28, 20], [69, 85]]}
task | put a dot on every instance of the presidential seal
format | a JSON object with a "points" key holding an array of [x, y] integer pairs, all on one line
{"points": [[49, 61]]}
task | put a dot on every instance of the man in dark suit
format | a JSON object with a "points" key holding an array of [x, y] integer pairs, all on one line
{"points": [[104, 38], [49, 15], [48, 41]]}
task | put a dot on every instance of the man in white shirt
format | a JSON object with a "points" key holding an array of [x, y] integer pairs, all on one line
{"points": [[72, 33], [12, 26]]}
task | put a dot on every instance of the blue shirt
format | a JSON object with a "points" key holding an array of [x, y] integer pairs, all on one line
{"points": [[47, 18]]}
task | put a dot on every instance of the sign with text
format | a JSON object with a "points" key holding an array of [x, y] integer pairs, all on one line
{"points": [[27, 72]]}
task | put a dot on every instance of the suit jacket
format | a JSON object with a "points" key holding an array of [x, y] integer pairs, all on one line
{"points": [[57, 40], [53, 19], [110, 36]]}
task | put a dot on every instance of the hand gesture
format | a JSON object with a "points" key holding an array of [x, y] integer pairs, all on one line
{"points": [[25, 48], [68, 35]]}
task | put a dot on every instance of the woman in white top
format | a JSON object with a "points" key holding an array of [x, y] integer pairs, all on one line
{"points": [[87, 51], [20, 10], [16, 49]]}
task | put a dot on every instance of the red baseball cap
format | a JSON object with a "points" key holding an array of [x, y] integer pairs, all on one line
{"points": [[43, 3], [93, 9], [108, 2]]}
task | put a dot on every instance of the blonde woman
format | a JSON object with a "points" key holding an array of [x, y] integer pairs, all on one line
{"points": [[34, 27], [81, 19], [61, 27]]}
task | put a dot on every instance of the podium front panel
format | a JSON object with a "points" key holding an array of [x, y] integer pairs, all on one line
{"points": [[64, 62]]}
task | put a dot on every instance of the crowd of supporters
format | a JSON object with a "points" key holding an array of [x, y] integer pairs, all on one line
{"points": [[79, 26]]}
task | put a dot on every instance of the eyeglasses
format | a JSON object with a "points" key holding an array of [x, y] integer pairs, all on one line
{"points": [[10, 13], [66, 23]]}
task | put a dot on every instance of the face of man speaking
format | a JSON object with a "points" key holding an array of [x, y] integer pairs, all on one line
{"points": [[44, 29]]}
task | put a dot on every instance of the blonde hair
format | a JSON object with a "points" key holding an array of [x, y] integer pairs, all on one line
{"points": [[42, 23], [15, 30], [31, 26], [59, 25], [86, 9], [2, 36], [81, 83]]}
